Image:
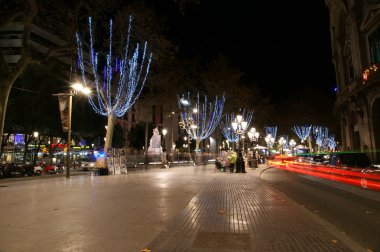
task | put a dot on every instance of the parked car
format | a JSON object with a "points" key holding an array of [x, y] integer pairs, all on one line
{"points": [[14, 170]]}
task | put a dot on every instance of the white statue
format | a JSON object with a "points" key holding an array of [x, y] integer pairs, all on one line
{"points": [[155, 143]]}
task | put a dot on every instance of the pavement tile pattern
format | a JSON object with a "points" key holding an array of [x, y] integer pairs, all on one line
{"points": [[240, 212]]}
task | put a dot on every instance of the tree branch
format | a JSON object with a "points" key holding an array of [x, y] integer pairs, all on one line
{"points": [[5, 20], [25, 57]]}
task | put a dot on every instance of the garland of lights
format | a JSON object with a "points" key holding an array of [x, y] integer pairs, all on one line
{"points": [[227, 130], [321, 134], [129, 69], [302, 131], [331, 143], [271, 131], [200, 118]]}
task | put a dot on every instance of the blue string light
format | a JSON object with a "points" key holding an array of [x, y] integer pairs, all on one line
{"points": [[331, 143], [302, 131], [272, 131], [200, 118], [321, 136], [132, 71]]}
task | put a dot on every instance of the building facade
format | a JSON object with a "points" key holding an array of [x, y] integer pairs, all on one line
{"points": [[355, 42]]}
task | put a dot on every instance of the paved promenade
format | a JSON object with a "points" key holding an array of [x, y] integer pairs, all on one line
{"points": [[176, 209]]}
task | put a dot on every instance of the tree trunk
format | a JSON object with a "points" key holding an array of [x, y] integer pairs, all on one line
{"points": [[26, 144], [5, 88], [110, 126], [198, 158], [309, 143], [197, 147]]}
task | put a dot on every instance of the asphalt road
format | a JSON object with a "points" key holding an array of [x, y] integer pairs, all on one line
{"points": [[354, 211]]}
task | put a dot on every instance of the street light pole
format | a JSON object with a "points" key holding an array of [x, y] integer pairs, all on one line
{"points": [[35, 134], [164, 131], [69, 135], [239, 126], [74, 88]]}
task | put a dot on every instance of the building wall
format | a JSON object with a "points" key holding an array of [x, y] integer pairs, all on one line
{"points": [[355, 29]]}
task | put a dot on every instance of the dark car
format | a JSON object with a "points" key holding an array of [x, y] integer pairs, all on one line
{"points": [[352, 161], [16, 170]]}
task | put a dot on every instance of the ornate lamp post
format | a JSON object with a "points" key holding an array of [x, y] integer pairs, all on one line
{"points": [[164, 131], [282, 142], [292, 144], [269, 141], [253, 135], [239, 126], [35, 135], [75, 88]]}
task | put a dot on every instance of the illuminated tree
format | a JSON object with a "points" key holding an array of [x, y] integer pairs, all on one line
{"points": [[331, 143], [118, 80], [321, 135], [303, 132], [200, 117]]}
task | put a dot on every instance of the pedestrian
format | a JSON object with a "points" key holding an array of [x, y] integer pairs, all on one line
{"points": [[164, 160], [232, 160], [240, 164]]}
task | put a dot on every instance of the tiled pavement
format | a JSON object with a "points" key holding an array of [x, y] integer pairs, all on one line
{"points": [[239, 212], [176, 209]]}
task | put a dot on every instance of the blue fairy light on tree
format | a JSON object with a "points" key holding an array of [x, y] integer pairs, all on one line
{"points": [[321, 134], [303, 132], [118, 80], [200, 117]]}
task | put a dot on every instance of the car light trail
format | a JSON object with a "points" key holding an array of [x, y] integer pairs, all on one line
{"points": [[366, 180]]}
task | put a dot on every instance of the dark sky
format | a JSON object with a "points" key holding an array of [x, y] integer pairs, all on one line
{"points": [[261, 36], [282, 45]]}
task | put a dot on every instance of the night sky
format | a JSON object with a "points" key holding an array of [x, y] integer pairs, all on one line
{"points": [[284, 46]]}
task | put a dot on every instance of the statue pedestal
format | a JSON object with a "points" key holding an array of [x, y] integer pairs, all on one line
{"points": [[154, 151]]}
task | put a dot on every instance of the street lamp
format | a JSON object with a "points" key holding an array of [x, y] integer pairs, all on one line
{"points": [[253, 135], [35, 135], [75, 88], [292, 144], [239, 126], [282, 142], [164, 131], [269, 141]]}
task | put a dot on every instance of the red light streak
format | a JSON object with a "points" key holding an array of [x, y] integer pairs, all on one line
{"points": [[356, 178]]}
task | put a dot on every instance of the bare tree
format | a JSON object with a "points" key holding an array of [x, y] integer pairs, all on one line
{"points": [[21, 14], [120, 79]]}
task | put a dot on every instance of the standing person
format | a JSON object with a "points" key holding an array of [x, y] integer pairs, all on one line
{"points": [[240, 164], [164, 160], [232, 160]]}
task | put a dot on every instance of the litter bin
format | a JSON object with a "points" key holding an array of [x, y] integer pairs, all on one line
{"points": [[253, 163]]}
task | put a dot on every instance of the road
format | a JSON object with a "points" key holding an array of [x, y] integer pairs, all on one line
{"points": [[354, 211]]}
